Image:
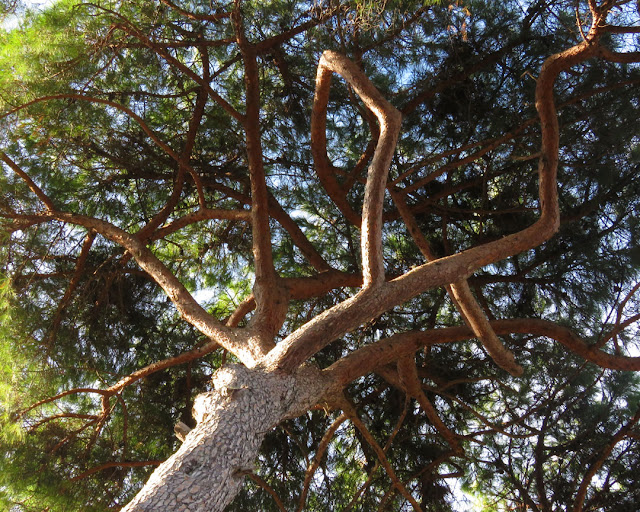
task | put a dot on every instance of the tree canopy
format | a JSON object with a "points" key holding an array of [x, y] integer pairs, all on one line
{"points": [[431, 205]]}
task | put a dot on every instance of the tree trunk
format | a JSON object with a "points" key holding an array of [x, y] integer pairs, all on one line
{"points": [[206, 473]]}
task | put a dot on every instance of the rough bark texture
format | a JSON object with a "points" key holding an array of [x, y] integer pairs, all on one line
{"points": [[207, 471]]}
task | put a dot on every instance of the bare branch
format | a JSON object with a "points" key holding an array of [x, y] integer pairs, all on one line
{"points": [[389, 119], [271, 302], [409, 378], [322, 448], [198, 216], [72, 415], [91, 99], [357, 422], [389, 350], [192, 16], [73, 283], [462, 297], [30, 183], [325, 328], [187, 306], [602, 457], [262, 483]]}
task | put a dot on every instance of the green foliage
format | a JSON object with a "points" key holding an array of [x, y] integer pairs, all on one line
{"points": [[464, 75]]}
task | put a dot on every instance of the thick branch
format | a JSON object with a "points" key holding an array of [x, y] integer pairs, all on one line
{"points": [[325, 328], [187, 306], [389, 119], [270, 300], [463, 299], [389, 350]]}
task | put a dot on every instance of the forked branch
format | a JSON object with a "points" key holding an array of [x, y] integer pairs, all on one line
{"points": [[333, 323]]}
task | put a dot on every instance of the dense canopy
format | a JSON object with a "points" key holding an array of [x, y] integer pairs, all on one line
{"points": [[423, 214]]}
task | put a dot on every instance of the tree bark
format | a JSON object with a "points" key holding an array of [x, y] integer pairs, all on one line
{"points": [[206, 473]]}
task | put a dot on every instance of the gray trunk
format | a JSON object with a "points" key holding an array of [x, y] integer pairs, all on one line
{"points": [[206, 473]]}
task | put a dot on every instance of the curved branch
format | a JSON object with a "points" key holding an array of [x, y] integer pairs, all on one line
{"points": [[620, 57], [387, 445], [462, 298], [408, 374], [73, 415], [74, 391], [333, 323], [389, 119], [271, 302], [322, 448], [262, 483], [30, 183], [192, 16], [184, 302], [382, 457], [602, 457], [185, 357], [478, 321], [198, 216], [389, 350], [91, 99]]}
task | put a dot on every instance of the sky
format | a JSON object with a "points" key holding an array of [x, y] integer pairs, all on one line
{"points": [[12, 21]]}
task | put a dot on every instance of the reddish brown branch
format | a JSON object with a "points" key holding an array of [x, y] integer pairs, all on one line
{"points": [[382, 457], [301, 288], [74, 391], [409, 378], [72, 415], [185, 357], [462, 298], [323, 167], [73, 283], [389, 119], [297, 235], [282, 217], [262, 483], [602, 457], [373, 471], [333, 323], [198, 216], [193, 16], [389, 350], [271, 301], [186, 305], [30, 183], [315, 464], [183, 166]]}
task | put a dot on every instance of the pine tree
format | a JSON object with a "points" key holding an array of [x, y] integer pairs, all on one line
{"points": [[279, 255]]}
